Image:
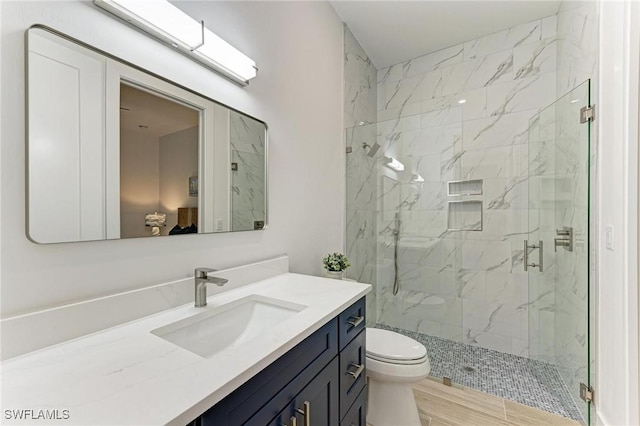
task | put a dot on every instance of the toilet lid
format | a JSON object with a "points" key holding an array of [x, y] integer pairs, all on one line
{"points": [[385, 344]]}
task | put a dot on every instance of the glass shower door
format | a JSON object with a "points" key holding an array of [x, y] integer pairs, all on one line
{"points": [[556, 254]]}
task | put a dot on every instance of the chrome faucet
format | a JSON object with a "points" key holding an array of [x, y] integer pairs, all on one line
{"points": [[201, 279]]}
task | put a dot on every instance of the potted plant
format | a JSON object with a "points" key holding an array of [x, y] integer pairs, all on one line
{"points": [[335, 264]]}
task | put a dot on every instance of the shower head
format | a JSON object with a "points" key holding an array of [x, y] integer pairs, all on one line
{"points": [[372, 148]]}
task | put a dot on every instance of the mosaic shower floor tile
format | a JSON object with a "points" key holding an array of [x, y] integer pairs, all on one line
{"points": [[534, 383]]}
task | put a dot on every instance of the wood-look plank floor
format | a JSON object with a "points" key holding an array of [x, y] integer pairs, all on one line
{"points": [[441, 405]]}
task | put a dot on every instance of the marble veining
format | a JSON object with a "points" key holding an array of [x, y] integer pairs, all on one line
{"points": [[247, 142], [481, 110], [361, 93], [463, 113]]}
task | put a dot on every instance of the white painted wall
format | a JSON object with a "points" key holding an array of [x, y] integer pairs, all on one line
{"points": [[617, 294], [139, 176], [298, 92], [178, 162]]}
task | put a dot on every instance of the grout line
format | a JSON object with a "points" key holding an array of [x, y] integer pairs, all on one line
{"points": [[504, 405], [545, 389]]}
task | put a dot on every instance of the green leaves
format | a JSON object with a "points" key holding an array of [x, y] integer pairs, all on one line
{"points": [[335, 262]]}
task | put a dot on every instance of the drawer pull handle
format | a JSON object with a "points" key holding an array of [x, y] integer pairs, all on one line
{"points": [[306, 412], [292, 422], [355, 321], [358, 372]]}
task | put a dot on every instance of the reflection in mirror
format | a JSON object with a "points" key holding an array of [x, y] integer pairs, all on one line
{"points": [[247, 171], [158, 156], [116, 152]]}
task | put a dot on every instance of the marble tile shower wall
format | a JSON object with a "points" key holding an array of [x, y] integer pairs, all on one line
{"points": [[360, 107], [467, 286], [542, 191], [247, 183]]}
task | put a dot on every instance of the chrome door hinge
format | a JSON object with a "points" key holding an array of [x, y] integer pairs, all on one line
{"points": [[586, 393], [587, 113]]}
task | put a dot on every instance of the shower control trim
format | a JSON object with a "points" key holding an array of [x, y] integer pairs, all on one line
{"points": [[540, 264], [565, 238]]}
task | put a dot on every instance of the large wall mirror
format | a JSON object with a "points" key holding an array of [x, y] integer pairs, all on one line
{"points": [[117, 152]]}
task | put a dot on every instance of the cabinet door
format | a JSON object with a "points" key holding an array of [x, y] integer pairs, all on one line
{"points": [[259, 400], [352, 372], [316, 404], [356, 416]]}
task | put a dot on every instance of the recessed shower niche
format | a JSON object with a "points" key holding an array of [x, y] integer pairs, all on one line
{"points": [[464, 216], [464, 187]]}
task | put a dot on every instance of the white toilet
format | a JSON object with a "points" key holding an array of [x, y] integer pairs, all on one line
{"points": [[394, 363]]}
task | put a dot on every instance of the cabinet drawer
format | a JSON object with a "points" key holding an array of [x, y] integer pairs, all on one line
{"points": [[357, 414], [353, 374], [351, 322]]}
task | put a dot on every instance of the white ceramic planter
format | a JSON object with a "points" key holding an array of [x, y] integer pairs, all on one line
{"points": [[336, 275]]}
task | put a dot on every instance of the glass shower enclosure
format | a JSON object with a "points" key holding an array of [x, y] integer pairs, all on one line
{"points": [[438, 220], [559, 165]]}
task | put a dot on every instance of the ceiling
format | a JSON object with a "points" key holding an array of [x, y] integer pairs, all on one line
{"points": [[152, 115], [396, 31]]}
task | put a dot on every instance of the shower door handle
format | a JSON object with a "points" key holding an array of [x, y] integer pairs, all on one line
{"points": [[539, 246]]}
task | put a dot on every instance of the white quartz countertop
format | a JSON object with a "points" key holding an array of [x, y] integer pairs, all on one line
{"points": [[127, 376]]}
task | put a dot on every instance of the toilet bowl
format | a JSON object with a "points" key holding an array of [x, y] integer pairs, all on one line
{"points": [[394, 363]]}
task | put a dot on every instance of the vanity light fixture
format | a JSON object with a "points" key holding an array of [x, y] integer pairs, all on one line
{"points": [[164, 21], [394, 164]]}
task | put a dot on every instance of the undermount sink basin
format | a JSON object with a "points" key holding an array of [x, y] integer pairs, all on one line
{"points": [[228, 326]]}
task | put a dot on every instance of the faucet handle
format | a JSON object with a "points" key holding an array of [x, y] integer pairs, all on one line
{"points": [[202, 272]]}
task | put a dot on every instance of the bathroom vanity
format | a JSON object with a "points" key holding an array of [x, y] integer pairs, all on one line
{"points": [[321, 382], [286, 350]]}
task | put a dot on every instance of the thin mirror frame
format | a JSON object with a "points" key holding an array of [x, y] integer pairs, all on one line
{"points": [[160, 77]]}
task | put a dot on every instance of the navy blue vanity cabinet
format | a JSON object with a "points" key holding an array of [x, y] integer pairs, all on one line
{"points": [[357, 414], [266, 394], [315, 382], [353, 375], [316, 404], [351, 322]]}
